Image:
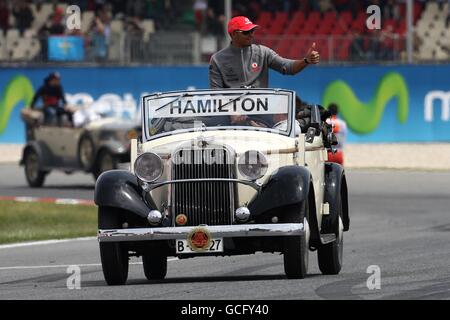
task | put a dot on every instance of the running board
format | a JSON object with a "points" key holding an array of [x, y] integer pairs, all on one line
{"points": [[327, 238]]}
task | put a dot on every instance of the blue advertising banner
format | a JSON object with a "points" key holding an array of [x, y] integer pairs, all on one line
{"points": [[65, 48], [379, 103]]}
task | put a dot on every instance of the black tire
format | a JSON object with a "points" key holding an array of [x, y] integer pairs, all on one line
{"points": [[155, 265], [296, 255], [105, 161], [86, 153], [113, 255], [34, 175], [330, 255]]}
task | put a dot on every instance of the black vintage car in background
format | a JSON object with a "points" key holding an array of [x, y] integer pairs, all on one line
{"points": [[96, 147]]}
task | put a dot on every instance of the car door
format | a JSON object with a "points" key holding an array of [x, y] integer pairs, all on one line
{"points": [[67, 145]]}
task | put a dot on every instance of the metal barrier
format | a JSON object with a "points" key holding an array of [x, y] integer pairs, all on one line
{"points": [[188, 48]]}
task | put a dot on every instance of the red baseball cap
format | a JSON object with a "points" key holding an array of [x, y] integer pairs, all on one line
{"points": [[240, 23]]}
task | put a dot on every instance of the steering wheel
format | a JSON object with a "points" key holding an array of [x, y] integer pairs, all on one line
{"points": [[258, 121], [279, 124]]}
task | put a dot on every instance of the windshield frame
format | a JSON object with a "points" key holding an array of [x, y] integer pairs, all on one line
{"points": [[235, 92]]}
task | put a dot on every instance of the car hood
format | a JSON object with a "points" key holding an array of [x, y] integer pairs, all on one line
{"points": [[112, 124], [239, 140]]}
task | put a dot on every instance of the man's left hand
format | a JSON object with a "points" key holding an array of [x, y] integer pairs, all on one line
{"points": [[313, 56]]}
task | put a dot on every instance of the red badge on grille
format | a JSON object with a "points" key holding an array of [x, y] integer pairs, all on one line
{"points": [[199, 239], [181, 219]]}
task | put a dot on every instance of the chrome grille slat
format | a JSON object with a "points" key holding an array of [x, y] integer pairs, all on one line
{"points": [[209, 203]]}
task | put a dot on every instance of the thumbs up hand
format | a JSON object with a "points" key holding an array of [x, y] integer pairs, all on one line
{"points": [[312, 56]]}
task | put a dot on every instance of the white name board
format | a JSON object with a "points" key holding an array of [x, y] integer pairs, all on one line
{"points": [[217, 105]]}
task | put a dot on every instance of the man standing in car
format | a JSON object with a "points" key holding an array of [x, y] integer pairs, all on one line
{"points": [[243, 64], [52, 94]]}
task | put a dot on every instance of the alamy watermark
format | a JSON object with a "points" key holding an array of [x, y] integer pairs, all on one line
{"points": [[374, 20], [74, 280], [374, 280], [73, 19]]}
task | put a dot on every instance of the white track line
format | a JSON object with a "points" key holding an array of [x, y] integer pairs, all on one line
{"points": [[67, 265], [44, 242]]}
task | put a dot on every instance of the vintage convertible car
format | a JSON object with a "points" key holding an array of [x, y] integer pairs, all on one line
{"points": [[223, 172], [96, 147]]}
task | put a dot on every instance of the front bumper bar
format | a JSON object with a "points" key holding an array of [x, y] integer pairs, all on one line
{"points": [[173, 233]]}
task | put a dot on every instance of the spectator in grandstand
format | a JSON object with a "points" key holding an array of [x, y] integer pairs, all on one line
{"points": [[23, 15], [134, 34], [214, 25], [4, 16], [388, 48], [135, 8], [391, 10], [53, 26], [200, 7], [325, 5], [57, 26], [100, 32], [52, 95], [243, 64], [341, 5], [357, 51]]}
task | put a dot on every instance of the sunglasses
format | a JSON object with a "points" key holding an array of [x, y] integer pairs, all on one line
{"points": [[246, 33]]}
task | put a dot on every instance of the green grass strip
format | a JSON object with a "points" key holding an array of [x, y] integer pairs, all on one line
{"points": [[31, 221]]}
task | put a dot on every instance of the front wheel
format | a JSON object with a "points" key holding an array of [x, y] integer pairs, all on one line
{"points": [[330, 254], [35, 177], [296, 255], [113, 255], [155, 265]]}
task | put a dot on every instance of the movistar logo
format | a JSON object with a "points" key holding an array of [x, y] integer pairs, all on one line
{"points": [[18, 89], [362, 117]]}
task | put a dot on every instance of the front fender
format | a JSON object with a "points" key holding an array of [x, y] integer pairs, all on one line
{"points": [[335, 191], [120, 189], [287, 185]]}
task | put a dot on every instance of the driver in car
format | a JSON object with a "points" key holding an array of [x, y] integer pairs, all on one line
{"points": [[55, 104]]}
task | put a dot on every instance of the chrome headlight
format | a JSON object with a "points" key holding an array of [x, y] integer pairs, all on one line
{"points": [[253, 165], [148, 167]]}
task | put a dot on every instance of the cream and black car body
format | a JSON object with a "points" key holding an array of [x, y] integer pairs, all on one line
{"points": [[220, 173], [98, 146]]}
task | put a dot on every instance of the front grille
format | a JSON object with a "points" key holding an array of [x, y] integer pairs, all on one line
{"points": [[210, 203]]}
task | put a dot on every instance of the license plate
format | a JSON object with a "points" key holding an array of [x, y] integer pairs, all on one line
{"points": [[183, 246]]}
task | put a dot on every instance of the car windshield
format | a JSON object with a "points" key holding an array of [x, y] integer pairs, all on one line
{"points": [[248, 109]]}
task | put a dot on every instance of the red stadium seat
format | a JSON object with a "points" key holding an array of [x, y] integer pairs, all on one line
{"points": [[313, 18], [418, 8], [284, 46], [359, 25], [401, 29], [292, 29], [264, 19], [346, 17], [298, 49], [389, 23], [281, 16], [298, 16], [329, 16], [325, 28]]}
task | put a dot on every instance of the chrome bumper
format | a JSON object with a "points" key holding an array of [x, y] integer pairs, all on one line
{"points": [[172, 233]]}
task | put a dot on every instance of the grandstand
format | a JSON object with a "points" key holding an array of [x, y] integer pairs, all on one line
{"points": [[185, 35]]}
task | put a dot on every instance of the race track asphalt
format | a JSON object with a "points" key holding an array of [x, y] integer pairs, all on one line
{"points": [[400, 222]]}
